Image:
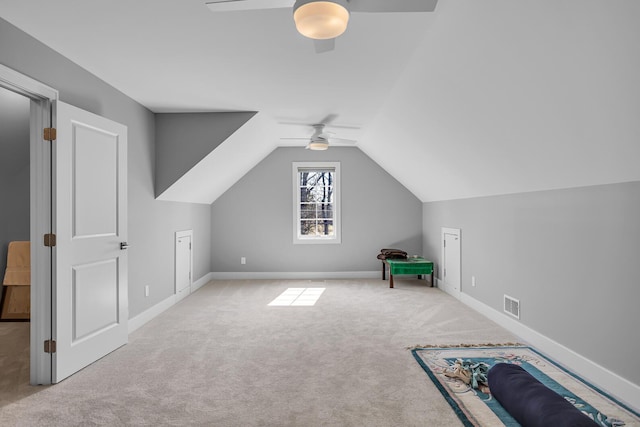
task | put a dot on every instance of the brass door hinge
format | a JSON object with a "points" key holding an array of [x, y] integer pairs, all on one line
{"points": [[49, 240], [49, 134], [49, 346]]}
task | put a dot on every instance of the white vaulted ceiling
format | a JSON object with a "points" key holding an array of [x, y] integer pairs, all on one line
{"points": [[476, 98]]}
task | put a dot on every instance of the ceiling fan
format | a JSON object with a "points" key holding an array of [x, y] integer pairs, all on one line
{"points": [[324, 20], [321, 139]]}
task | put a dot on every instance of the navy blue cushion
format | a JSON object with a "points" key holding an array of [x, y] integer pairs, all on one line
{"points": [[530, 402]]}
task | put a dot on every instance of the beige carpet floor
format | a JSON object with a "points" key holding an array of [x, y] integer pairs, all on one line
{"points": [[223, 357], [14, 361]]}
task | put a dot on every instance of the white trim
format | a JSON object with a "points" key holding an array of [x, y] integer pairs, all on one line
{"points": [[201, 282], [147, 315], [275, 275], [440, 285], [180, 295], [612, 383], [41, 256], [41, 97], [337, 238], [25, 85]]}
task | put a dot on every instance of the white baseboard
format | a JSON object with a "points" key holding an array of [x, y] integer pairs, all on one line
{"points": [[201, 282], [239, 275], [621, 388], [144, 317], [182, 294]]}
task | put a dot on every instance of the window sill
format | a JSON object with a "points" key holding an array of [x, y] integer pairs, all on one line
{"points": [[317, 241]]}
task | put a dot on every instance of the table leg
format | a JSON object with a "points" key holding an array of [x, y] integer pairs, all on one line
{"points": [[432, 278], [383, 270], [390, 279]]}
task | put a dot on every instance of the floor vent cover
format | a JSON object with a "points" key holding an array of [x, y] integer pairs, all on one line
{"points": [[512, 306]]}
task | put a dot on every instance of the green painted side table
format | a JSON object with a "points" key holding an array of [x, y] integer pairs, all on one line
{"points": [[412, 265]]}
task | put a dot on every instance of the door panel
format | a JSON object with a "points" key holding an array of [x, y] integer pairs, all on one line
{"points": [[90, 185], [95, 298], [95, 201]]}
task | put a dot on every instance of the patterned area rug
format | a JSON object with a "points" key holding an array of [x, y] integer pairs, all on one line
{"points": [[476, 408]]}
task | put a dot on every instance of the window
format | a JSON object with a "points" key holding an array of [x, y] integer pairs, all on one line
{"points": [[317, 202]]}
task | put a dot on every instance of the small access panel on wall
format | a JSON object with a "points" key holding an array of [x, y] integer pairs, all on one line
{"points": [[451, 261], [183, 263]]}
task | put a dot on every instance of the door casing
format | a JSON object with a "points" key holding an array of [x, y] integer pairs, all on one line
{"points": [[42, 115]]}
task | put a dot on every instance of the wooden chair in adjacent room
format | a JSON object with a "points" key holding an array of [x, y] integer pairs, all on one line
{"points": [[16, 286]]}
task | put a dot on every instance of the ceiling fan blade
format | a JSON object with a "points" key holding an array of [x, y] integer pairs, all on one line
{"points": [[345, 126], [330, 118], [382, 6], [323, 46], [234, 5], [296, 139]]}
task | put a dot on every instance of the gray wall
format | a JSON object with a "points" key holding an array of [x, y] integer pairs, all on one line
{"points": [[183, 139], [254, 218], [151, 223], [570, 257], [14, 171]]}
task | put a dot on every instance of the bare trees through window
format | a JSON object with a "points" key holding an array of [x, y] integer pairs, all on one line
{"points": [[316, 197], [316, 202]]}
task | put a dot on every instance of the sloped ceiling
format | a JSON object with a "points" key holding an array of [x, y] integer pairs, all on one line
{"points": [[478, 98], [184, 139], [209, 178], [507, 97]]}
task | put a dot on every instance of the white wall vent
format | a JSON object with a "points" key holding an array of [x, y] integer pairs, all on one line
{"points": [[512, 306]]}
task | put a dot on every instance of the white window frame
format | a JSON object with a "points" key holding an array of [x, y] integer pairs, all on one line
{"points": [[337, 237]]}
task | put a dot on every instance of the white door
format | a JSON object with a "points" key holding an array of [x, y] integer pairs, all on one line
{"points": [[451, 260], [90, 222], [183, 263]]}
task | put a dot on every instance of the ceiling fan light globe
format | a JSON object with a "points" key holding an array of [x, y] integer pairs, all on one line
{"points": [[320, 20], [318, 145]]}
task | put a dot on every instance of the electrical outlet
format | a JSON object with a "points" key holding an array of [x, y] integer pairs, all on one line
{"points": [[473, 281], [146, 290], [243, 260]]}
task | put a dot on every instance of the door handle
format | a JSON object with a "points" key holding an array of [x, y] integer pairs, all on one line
{"points": [[124, 245]]}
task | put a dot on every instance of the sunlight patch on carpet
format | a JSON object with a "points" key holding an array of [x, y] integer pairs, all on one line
{"points": [[298, 297]]}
